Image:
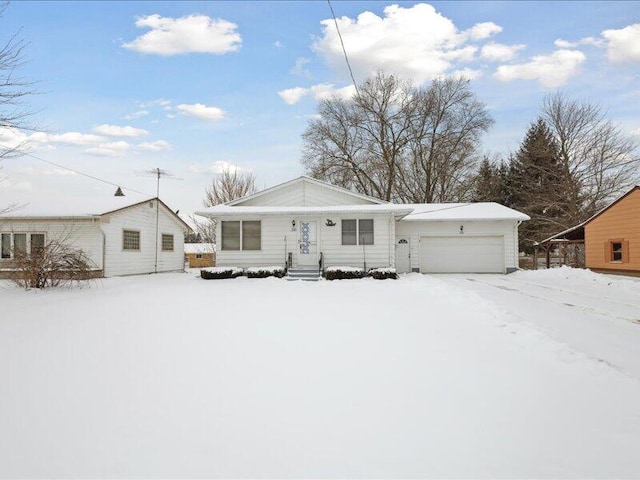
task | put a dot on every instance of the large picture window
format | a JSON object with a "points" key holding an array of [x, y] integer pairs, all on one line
{"points": [[357, 232], [242, 235], [16, 244]]}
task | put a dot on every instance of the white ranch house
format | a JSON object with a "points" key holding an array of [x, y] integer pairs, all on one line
{"points": [[306, 223], [119, 240]]}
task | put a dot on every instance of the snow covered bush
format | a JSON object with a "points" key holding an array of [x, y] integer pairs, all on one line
{"points": [[383, 273], [344, 273], [263, 272], [214, 273]]}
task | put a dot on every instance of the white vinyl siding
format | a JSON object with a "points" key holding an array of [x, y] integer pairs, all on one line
{"points": [[143, 219], [80, 234], [167, 242], [416, 231], [131, 240]]}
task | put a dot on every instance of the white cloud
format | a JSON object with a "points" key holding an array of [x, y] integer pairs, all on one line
{"points": [[44, 171], [116, 131], [156, 146], [551, 71], [416, 42], [278, 44], [217, 167], [67, 138], [135, 115], [623, 45], [201, 111], [322, 91], [468, 73], [12, 138], [189, 34], [299, 67], [481, 31], [560, 43], [498, 52], [110, 149]]}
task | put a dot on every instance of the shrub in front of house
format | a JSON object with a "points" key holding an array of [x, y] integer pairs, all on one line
{"points": [[264, 272], [217, 273], [344, 273], [384, 273]]}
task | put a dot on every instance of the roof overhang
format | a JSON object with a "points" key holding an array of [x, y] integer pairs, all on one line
{"points": [[227, 211]]}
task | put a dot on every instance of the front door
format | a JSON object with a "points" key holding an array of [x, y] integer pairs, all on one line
{"points": [[308, 241], [403, 255]]}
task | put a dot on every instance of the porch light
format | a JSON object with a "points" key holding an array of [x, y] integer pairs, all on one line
{"points": [[461, 229]]}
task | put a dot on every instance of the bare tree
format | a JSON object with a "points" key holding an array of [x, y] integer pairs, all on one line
{"points": [[13, 91], [51, 264], [597, 158], [398, 142], [229, 185]]}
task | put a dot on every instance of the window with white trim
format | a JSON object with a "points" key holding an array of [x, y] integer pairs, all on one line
{"points": [[130, 240], [12, 244], [241, 235], [357, 232], [167, 242]]}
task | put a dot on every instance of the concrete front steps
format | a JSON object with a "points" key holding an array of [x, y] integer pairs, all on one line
{"points": [[301, 273]]}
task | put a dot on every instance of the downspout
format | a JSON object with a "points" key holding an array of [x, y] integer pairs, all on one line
{"points": [[104, 253]]}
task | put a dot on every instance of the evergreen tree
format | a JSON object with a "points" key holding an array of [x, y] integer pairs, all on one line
{"points": [[540, 186]]}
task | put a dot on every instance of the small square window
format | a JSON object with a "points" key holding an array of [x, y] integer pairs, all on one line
{"points": [[130, 240], [167, 242]]}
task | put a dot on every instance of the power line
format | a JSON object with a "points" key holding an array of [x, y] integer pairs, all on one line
{"points": [[80, 173], [344, 50]]}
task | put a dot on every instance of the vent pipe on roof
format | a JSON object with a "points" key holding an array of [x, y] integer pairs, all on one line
{"points": [[118, 193]]}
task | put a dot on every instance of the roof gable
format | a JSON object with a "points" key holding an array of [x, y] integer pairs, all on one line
{"points": [[165, 208], [305, 192], [634, 190]]}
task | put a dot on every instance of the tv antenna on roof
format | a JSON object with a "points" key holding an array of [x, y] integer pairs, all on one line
{"points": [[158, 173]]}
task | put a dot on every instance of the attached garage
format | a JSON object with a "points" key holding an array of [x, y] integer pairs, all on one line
{"points": [[462, 254], [458, 238]]}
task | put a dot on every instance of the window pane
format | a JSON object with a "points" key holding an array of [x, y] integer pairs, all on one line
{"points": [[6, 245], [37, 243], [230, 235], [130, 240], [349, 232], [20, 243], [167, 242], [616, 250], [366, 232], [251, 232]]}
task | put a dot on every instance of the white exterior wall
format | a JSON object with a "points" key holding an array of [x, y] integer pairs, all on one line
{"points": [[415, 230], [84, 234], [142, 218], [276, 228], [304, 194]]}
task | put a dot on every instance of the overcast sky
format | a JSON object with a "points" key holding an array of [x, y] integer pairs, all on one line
{"points": [[192, 87]]}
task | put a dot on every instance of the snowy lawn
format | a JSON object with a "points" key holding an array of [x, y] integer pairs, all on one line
{"points": [[174, 376]]}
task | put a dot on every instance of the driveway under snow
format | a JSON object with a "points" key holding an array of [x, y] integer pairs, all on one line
{"points": [[529, 375]]}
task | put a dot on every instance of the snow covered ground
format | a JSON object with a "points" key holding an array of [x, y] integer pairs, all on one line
{"points": [[535, 374]]}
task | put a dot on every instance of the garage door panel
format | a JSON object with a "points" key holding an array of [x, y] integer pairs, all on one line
{"points": [[462, 254]]}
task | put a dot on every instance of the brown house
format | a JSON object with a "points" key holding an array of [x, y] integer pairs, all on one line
{"points": [[199, 255], [612, 236]]}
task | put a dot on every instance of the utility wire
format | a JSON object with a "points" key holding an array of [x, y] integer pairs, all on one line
{"points": [[344, 50], [80, 173]]}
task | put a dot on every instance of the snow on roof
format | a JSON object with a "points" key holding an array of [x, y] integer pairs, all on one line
{"points": [[410, 212], [462, 211], [230, 211], [199, 248], [84, 207]]}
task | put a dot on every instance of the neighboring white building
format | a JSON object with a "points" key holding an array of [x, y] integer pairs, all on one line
{"points": [[308, 223], [123, 238]]}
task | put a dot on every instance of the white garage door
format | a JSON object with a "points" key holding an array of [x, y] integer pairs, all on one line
{"points": [[462, 254]]}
